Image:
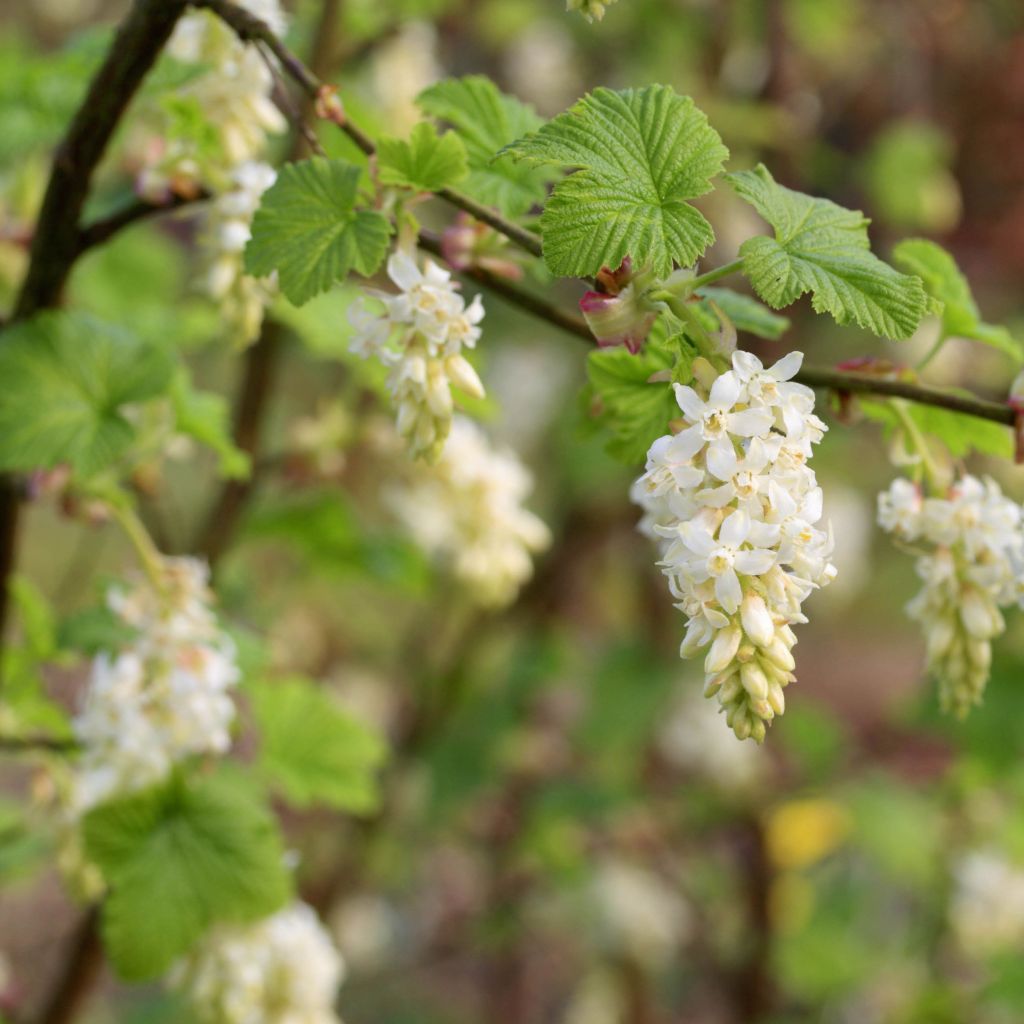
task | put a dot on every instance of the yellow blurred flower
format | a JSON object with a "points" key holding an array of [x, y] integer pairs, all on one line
{"points": [[800, 832]]}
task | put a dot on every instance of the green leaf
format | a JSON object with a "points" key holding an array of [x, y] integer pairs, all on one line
{"points": [[179, 858], [35, 616], [205, 416], [637, 156], [66, 378], [486, 120], [746, 313], [428, 162], [309, 230], [823, 249], [312, 750], [944, 282], [959, 432], [635, 409]]}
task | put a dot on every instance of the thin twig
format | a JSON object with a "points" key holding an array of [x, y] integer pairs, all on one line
{"points": [[33, 744], [252, 29], [105, 228]]}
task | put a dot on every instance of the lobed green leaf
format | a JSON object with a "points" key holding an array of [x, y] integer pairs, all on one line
{"points": [[179, 858], [428, 162], [310, 232], [636, 157], [946, 284], [67, 378], [485, 119], [823, 248], [311, 750]]}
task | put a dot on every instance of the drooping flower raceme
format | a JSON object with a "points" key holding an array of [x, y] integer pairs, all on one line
{"points": [[226, 229], [971, 560], [467, 510], [233, 96], [420, 338], [281, 970], [736, 509], [164, 697]]}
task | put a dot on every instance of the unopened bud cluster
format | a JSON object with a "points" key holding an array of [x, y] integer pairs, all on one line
{"points": [[467, 511], [420, 338], [970, 553], [281, 970], [226, 229], [163, 697], [736, 506]]}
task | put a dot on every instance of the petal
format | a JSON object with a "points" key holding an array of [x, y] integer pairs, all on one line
{"points": [[728, 591], [697, 539], [755, 562], [403, 271], [689, 401], [721, 460], [746, 364], [725, 391], [687, 443], [764, 535], [735, 529], [787, 366], [750, 422], [717, 497]]}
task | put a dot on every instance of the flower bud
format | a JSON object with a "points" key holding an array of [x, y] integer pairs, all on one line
{"points": [[723, 649], [757, 623], [623, 319], [755, 682]]}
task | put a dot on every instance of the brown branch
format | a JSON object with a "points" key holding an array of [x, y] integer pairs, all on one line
{"points": [[513, 293], [105, 228], [78, 974], [253, 397], [33, 744], [252, 29], [55, 244]]}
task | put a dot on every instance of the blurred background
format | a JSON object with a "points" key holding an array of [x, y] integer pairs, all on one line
{"points": [[568, 833]]}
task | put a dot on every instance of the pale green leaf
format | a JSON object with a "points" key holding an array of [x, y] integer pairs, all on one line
{"points": [[312, 750], [66, 380], [944, 282], [309, 230], [179, 858], [959, 432], [637, 156], [205, 416], [635, 409], [822, 248], [428, 162], [746, 314], [486, 120]]}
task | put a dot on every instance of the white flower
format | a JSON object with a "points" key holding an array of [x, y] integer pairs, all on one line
{"points": [[164, 697], [467, 511], [987, 908], [715, 419], [226, 230], [425, 352], [736, 506], [974, 563], [281, 970]]}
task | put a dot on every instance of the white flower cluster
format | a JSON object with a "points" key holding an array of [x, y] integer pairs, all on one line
{"points": [[987, 906], [164, 697], [424, 354], [736, 506], [971, 558], [467, 510], [227, 227], [281, 970], [232, 94], [592, 10]]}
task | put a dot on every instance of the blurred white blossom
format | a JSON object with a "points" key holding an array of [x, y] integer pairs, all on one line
{"points": [[420, 338], [226, 228], [987, 906], [163, 697], [281, 970], [467, 510], [970, 557]]}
